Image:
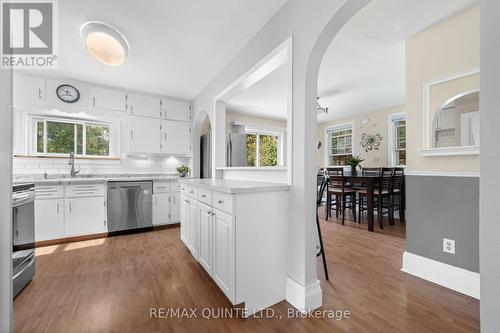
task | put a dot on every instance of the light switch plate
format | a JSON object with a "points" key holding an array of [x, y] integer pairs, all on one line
{"points": [[448, 245]]}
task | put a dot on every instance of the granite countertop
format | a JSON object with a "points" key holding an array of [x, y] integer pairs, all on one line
{"points": [[236, 186], [89, 178]]}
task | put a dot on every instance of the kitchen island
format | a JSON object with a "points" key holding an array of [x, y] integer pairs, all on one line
{"points": [[237, 231]]}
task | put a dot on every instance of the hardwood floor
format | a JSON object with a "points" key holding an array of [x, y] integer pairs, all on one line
{"points": [[110, 284]]}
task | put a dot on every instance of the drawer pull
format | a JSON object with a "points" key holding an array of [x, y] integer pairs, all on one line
{"points": [[221, 202], [191, 192], [203, 196]]}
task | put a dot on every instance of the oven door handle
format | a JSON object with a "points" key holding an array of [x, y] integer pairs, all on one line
{"points": [[22, 198], [30, 262]]}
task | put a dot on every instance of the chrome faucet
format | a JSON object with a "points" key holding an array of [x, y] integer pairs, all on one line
{"points": [[73, 172]]}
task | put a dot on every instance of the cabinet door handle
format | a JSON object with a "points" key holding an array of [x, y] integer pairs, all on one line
{"points": [[174, 198], [221, 202], [191, 192], [203, 196], [165, 136], [58, 208], [132, 134], [70, 206], [39, 93], [93, 101]]}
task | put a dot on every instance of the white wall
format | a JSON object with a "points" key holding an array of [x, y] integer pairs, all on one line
{"points": [[312, 24], [5, 201], [489, 227]]}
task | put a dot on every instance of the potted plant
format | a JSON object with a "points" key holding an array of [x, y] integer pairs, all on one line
{"points": [[183, 170], [353, 162]]}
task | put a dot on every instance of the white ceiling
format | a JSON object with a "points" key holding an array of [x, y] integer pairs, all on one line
{"points": [[266, 98], [364, 67], [176, 47]]}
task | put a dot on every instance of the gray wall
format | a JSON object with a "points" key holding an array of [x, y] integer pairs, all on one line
{"points": [[490, 167], [444, 207], [5, 200]]}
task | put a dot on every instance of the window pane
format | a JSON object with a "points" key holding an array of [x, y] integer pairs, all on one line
{"points": [[97, 140], [60, 137], [268, 150], [251, 149], [79, 139], [401, 157], [39, 136]]}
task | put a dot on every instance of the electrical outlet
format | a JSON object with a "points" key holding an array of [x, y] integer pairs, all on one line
{"points": [[448, 245]]}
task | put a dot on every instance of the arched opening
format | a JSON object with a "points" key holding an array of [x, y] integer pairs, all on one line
{"points": [[202, 146]]}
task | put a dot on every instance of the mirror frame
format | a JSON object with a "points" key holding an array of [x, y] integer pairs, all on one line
{"points": [[427, 149]]}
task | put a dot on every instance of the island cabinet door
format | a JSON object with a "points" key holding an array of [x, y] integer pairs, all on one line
{"points": [[224, 248], [205, 246], [175, 207], [184, 218], [194, 222]]}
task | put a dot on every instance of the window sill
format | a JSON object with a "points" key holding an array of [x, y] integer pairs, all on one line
{"points": [[66, 157], [449, 151]]}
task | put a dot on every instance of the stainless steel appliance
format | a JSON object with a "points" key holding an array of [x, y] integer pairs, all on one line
{"points": [[206, 155], [23, 236], [236, 149], [130, 205]]}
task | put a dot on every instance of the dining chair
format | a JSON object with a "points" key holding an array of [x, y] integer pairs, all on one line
{"points": [[338, 189], [322, 182], [398, 179], [383, 191]]}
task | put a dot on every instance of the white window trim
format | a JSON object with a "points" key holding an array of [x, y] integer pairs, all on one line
{"points": [[391, 119], [427, 149], [262, 130], [327, 140], [33, 118]]}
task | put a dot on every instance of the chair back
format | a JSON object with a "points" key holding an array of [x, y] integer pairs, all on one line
{"points": [[336, 175], [398, 178], [386, 180], [322, 182], [371, 171]]}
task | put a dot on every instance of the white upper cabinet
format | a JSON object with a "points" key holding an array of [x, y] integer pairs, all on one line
{"points": [[175, 137], [83, 90], [108, 99], [144, 135], [28, 88], [176, 110], [146, 106]]}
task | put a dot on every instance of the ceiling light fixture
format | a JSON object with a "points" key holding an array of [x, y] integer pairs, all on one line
{"points": [[105, 43], [319, 108]]}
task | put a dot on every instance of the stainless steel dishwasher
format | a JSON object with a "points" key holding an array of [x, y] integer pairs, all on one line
{"points": [[130, 205]]}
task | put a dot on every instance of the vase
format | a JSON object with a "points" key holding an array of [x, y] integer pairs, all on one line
{"points": [[354, 170]]}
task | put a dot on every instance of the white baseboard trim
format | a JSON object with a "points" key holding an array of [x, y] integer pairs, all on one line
{"points": [[304, 298], [455, 278]]}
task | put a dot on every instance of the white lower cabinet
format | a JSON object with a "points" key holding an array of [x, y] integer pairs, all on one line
{"points": [[49, 219], [205, 246], [209, 235], [166, 202], [85, 216], [160, 208], [224, 252], [69, 210]]}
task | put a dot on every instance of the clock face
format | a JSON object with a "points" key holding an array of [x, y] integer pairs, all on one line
{"points": [[67, 93]]}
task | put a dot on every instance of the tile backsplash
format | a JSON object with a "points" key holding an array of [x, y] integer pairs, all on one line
{"points": [[127, 164]]}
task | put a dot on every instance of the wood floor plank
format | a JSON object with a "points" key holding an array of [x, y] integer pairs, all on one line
{"points": [[110, 284]]}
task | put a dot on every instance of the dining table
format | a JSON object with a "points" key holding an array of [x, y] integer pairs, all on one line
{"points": [[370, 181]]}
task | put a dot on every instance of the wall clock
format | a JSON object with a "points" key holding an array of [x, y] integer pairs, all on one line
{"points": [[67, 93]]}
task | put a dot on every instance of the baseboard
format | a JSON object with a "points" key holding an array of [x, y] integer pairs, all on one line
{"points": [[304, 298], [455, 278]]}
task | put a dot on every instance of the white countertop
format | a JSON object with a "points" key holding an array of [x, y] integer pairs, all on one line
{"points": [[236, 186], [87, 179]]}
